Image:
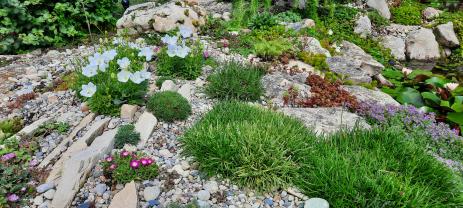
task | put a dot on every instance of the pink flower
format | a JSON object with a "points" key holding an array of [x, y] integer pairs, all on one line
{"points": [[134, 164], [451, 86], [144, 161], [125, 153], [13, 198], [112, 166], [23, 189], [8, 156], [109, 159], [150, 161], [206, 54]]}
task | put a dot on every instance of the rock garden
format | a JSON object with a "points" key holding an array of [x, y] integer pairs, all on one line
{"points": [[233, 103]]}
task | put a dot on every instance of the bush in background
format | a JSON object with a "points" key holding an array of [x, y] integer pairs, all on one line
{"points": [[169, 106], [236, 81], [126, 134], [28, 24]]}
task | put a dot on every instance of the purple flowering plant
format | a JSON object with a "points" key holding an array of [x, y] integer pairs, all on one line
{"points": [[126, 166], [438, 138]]}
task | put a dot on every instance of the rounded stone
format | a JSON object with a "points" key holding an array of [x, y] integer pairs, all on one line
{"points": [[316, 203], [151, 193], [204, 195]]}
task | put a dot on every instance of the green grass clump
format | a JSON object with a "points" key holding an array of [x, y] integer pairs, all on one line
{"points": [[126, 134], [169, 106], [251, 146], [408, 13], [377, 168], [236, 81], [318, 61]]}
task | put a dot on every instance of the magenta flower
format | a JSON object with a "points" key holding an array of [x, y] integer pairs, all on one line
{"points": [[23, 189], [206, 54], [109, 159], [112, 166], [13, 198], [8, 156], [125, 153], [134, 164], [144, 161], [150, 161]]}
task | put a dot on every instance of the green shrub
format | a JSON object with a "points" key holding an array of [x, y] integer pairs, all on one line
{"points": [[377, 168], [29, 24], [107, 86], [318, 61], [126, 134], [236, 81], [10, 126], [377, 19], [169, 106], [251, 146], [269, 49], [126, 167], [189, 67], [408, 13], [161, 80], [288, 16], [262, 21]]}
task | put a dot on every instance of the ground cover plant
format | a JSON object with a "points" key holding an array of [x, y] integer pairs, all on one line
{"points": [[115, 75], [408, 13], [169, 106], [236, 81], [124, 167]]}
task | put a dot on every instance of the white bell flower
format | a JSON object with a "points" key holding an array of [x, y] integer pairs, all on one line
{"points": [[169, 40], [109, 55], [88, 90], [123, 76], [90, 70], [182, 51], [99, 60], [137, 77], [185, 31], [124, 63], [145, 74], [146, 52]]}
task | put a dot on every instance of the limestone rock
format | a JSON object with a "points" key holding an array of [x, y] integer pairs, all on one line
{"points": [[446, 35], [126, 198], [128, 111], [312, 45], [95, 130], [364, 94], [186, 91], [316, 203], [148, 16], [326, 120], [305, 23], [381, 6], [431, 13], [363, 26], [30, 130], [397, 46], [276, 84], [422, 48], [151, 192], [145, 126], [169, 85]]}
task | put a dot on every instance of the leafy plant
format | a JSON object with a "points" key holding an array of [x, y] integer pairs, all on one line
{"points": [[169, 106], [408, 13], [318, 61], [288, 16], [10, 126], [113, 76], [236, 81], [262, 21], [125, 167], [28, 24], [377, 19], [269, 49], [126, 134]]}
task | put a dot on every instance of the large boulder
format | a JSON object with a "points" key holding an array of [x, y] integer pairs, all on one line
{"points": [[326, 120], [422, 49], [396, 45], [366, 95], [446, 35], [277, 84], [354, 64], [381, 6], [149, 17], [363, 26]]}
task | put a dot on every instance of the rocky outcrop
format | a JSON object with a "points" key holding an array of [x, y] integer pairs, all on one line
{"points": [[381, 6], [312, 45], [446, 35], [363, 27], [396, 45], [354, 64], [422, 49], [326, 120], [277, 84], [149, 16], [367, 95]]}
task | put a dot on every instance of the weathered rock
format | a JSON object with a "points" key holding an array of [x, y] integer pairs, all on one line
{"points": [[276, 84], [77, 168], [312, 45], [28, 131], [422, 48], [49, 194], [381, 6], [45, 187], [211, 186], [95, 130], [296, 64], [83, 123], [431, 13], [148, 16], [354, 64], [305, 23], [446, 35], [126, 198], [128, 111], [364, 94], [363, 26], [397, 46], [151, 192], [169, 85], [316, 203], [203, 195], [326, 120], [145, 125], [186, 91]]}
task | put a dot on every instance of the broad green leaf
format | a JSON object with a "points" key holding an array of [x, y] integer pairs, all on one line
{"points": [[410, 96], [431, 98], [457, 105], [455, 118], [436, 81]]}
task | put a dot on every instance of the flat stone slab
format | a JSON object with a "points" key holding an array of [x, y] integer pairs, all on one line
{"points": [[28, 131], [145, 126], [95, 130], [126, 198], [326, 120], [367, 95]]}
